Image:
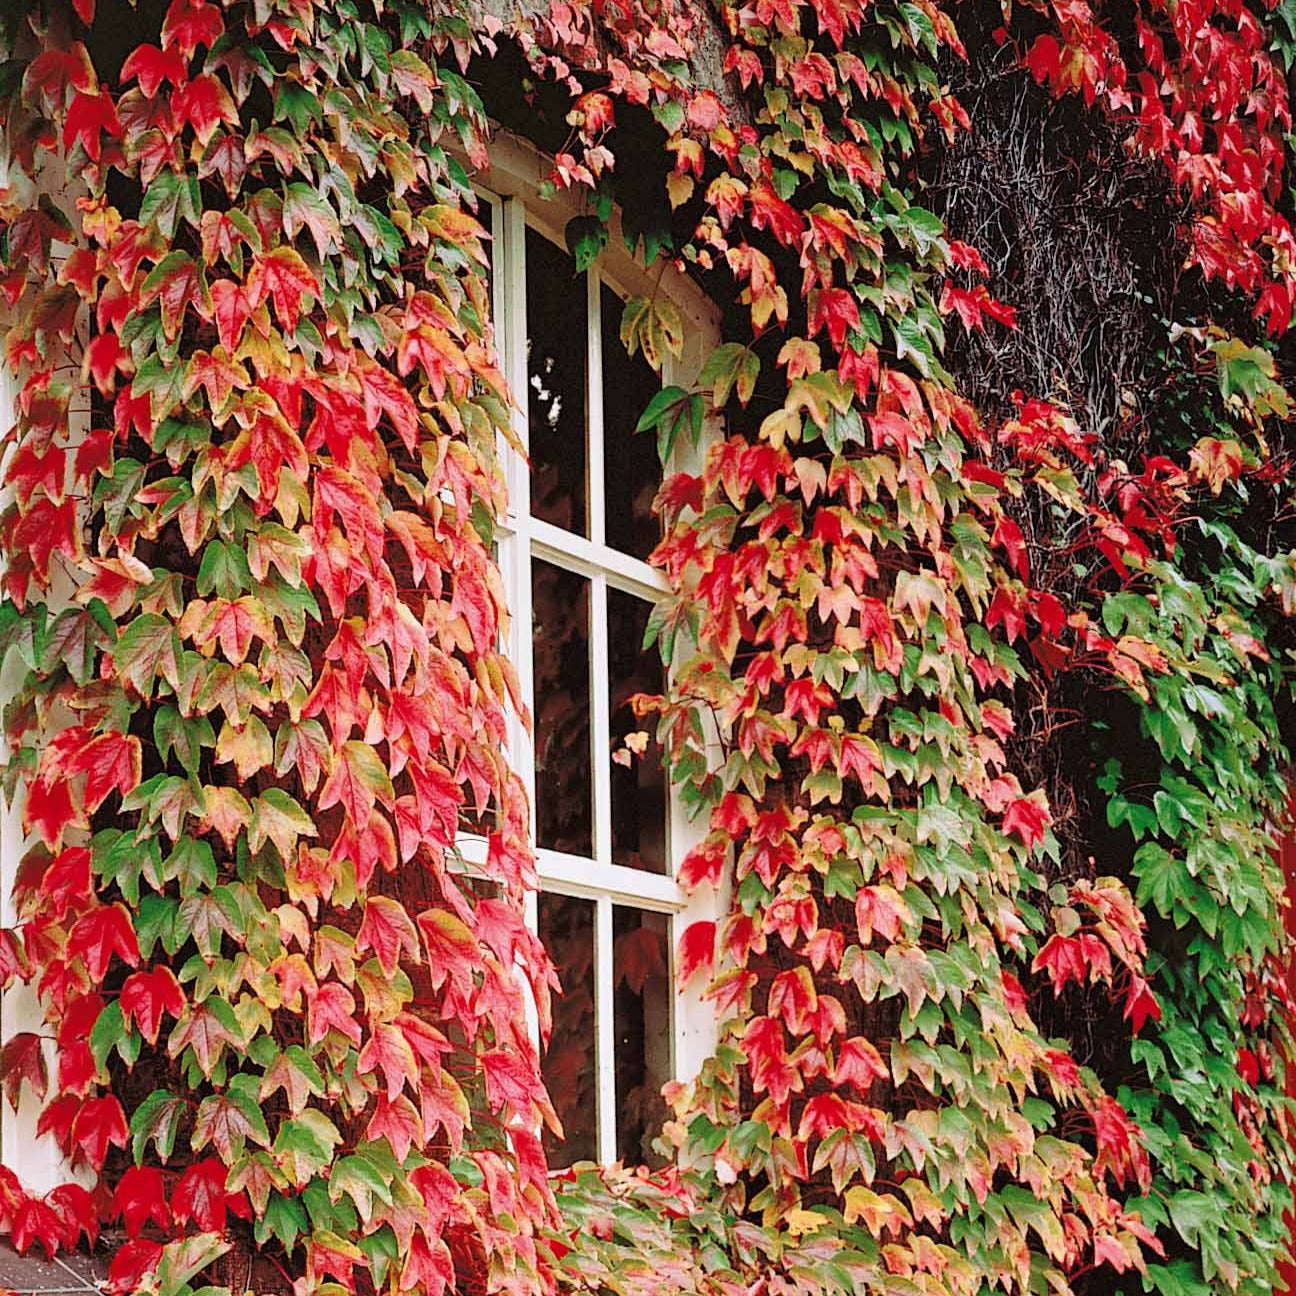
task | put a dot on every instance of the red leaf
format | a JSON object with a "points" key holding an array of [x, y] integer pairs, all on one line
{"points": [[36, 1221], [78, 1210], [284, 278], [859, 1064], [388, 1051], [696, 951], [331, 1007], [49, 811], [52, 73], [834, 309], [881, 910], [147, 995], [101, 933], [510, 1081], [384, 393], [387, 929], [90, 116], [1028, 817], [151, 66], [793, 999], [200, 1197], [1062, 957], [1008, 535], [271, 446], [140, 1197], [1120, 1143], [111, 763], [398, 1122], [705, 863], [98, 1125], [1044, 59], [57, 1119], [23, 1058], [204, 103], [131, 1266], [769, 211], [764, 1044], [31, 468], [357, 782], [104, 358], [231, 308], [327, 1253], [190, 23], [1140, 1004], [428, 1266], [66, 882]]}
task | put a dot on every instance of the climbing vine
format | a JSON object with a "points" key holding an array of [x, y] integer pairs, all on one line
{"points": [[253, 618]]}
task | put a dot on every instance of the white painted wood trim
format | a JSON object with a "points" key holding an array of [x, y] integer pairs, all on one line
{"points": [[514, 176]]}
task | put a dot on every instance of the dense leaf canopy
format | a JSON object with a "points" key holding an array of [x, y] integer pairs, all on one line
{"points": [[982, 707]]}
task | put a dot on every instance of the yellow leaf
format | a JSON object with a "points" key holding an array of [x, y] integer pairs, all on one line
{"points": [[800, 1222], [679, 188]]}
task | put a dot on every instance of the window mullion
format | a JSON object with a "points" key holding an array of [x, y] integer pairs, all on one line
{"points": [[594, 408], [512, 332], [600, 720], [605, 1031], [515, 550]]}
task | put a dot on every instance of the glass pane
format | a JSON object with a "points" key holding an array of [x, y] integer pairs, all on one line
{"points": [[560, 610], [641, 978], [557, 355], [566, 926], [631, 472], [639, 786]]}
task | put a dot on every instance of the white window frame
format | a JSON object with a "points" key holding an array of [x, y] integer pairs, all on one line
{"points": [[508, 189]]}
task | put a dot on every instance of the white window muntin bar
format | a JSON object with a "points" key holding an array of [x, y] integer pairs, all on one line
{"points": [[578, 554], [577, 875], [600, 719], [605, 1029], [594, 407]]}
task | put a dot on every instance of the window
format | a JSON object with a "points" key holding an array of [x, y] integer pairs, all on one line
{"points": [[573, 552]]}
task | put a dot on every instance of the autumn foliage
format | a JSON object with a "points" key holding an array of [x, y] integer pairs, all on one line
{"points": [[253, 618]]}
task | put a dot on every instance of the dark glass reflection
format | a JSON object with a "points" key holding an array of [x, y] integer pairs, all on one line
{"points": [[560, 613], [639, 787], [641, 979], [557, 355], [566, 927], [631, 472]]}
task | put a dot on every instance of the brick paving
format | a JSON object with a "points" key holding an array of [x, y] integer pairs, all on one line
{"points": [[33, 1275]]}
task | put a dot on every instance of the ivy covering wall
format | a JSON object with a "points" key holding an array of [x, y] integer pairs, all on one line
{"points": [[983, 703]]}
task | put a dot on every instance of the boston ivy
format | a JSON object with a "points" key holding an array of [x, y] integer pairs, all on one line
{"points": [[254, 618]]}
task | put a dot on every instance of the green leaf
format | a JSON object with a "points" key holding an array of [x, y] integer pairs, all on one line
{"points": [[669, 411], [586, 237], [652, 325], [187, 1257], [192, 864], [223, 570], [278, 818], [185, 736], [149, 647], [283, 1218], [156, 1120], [109, 1033], [1193, 1213], [731, 367]]}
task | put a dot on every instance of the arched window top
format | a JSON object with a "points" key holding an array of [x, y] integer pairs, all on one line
{"points": [[517, 169]]}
